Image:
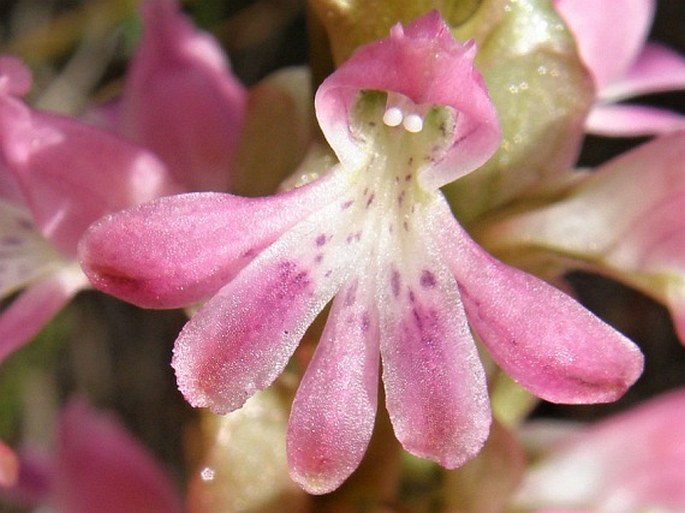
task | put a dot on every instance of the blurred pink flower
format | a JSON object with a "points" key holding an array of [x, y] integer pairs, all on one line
{"points": [[95, 465], [182, 109], [180, 100], [632, 462], [611, 37], [405, 116], [58, 176]]}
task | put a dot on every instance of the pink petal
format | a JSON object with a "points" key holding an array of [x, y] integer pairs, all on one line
{"points": [[181, 100], [9, 466], [72, 173], [426, 64], [15, 76], [241, 340], [540, 336], [29, 312], [334, 410], [632, 121], [609, 34], [623, 220], [9, 189], [634, 459], [100, 467], [657, 69], [434, 382], [179, 250]]}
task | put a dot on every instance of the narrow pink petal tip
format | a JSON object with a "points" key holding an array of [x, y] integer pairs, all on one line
{"points": [[543, 338], [328, 438]]}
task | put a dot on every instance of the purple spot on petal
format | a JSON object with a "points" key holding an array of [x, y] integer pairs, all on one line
{"points": [[365, 322], [321, 240], [395, 282], [351, 295], [405, 225], [370, 200], [346, 205], [353, 237], [417, 318], [427, 279], [318, 258], [407, 178], [412, 297], [248, 253], [291, 280]]}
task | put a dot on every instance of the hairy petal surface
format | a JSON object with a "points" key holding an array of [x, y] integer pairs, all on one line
{"points": [[242, 338], [540, 336], [179, 250], [181, 100], [434, 381], [333, 414], [35, 306], [99, 465]]}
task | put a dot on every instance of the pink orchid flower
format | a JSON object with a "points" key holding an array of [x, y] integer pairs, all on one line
{"points": [[58, 176], [96, 465], [405, 115], [611, 37], [632, 462], [183, 110]]}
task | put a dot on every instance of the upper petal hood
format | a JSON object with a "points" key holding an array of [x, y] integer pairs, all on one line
{"points": [[424, 63]]}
